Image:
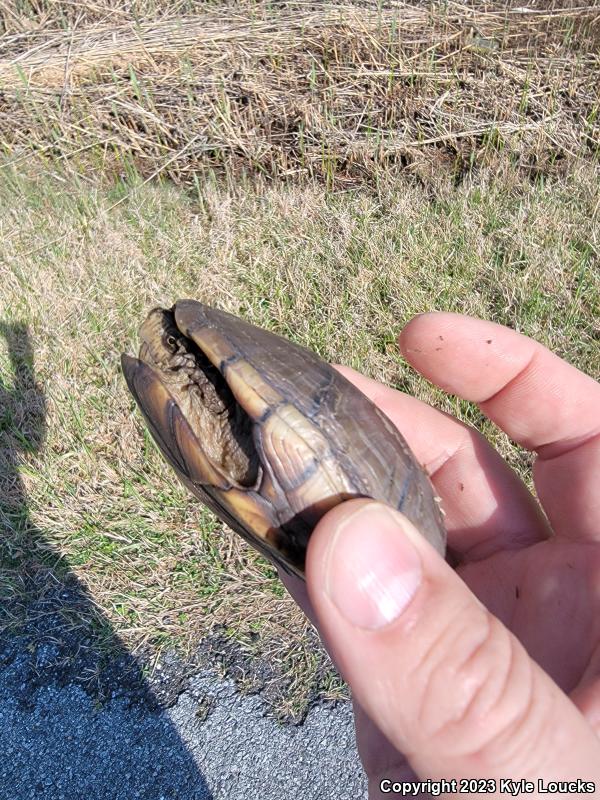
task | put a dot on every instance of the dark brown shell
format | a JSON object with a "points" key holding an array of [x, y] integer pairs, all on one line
{"points": [[319, 439]]}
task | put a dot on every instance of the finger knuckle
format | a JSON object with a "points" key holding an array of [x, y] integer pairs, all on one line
{"points": [[477, 688]]}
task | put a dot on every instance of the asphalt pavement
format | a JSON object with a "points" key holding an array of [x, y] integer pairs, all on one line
{"points": [[58, 743]]}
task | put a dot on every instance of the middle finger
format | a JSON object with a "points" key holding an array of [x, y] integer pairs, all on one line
{"points": [[486, 505]]}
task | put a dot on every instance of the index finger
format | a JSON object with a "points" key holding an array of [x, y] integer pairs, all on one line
{"points": [[541, 402]]}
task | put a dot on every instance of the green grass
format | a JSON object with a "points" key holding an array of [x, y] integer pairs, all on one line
{"points": [[84, 488]]}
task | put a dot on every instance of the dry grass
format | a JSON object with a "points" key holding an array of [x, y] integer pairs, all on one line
{"points": [[297, 90], [447, 159], [81, 483]]}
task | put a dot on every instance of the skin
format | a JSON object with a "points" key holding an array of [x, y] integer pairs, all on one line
{"points": [[491, 669]]}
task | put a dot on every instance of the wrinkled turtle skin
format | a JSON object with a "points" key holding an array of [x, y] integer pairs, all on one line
{"points": [[265, 433]]}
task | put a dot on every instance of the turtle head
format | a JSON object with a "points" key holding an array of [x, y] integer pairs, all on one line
{"points": [[205, 407], [173, 372]]}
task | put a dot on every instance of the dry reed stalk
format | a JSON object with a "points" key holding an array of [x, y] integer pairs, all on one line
{"points": [[334, 91]]}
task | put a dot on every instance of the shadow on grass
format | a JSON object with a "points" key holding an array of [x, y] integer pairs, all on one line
{"points": [[55, 642]]}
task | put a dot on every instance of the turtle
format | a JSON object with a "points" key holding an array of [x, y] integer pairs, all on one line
{"points": [[267, 434]]}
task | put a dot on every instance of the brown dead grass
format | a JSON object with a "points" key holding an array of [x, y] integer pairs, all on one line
{"points": [[297, 90]]}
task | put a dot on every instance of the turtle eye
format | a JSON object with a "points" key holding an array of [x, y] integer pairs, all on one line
{"points": [[171, 341]]}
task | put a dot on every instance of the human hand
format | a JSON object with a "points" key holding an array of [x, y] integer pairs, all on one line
{"points": [[492, 671]]}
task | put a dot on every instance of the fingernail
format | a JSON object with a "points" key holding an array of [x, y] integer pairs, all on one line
{"points": [[372, 567]]}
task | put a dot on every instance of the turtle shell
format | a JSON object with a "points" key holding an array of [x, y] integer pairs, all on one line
{"points": [[266, 433]]}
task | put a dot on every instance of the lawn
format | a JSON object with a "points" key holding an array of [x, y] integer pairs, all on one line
{"points": [[335, 236]]}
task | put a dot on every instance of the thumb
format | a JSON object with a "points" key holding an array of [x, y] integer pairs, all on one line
{"points": [[440, 676]]}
